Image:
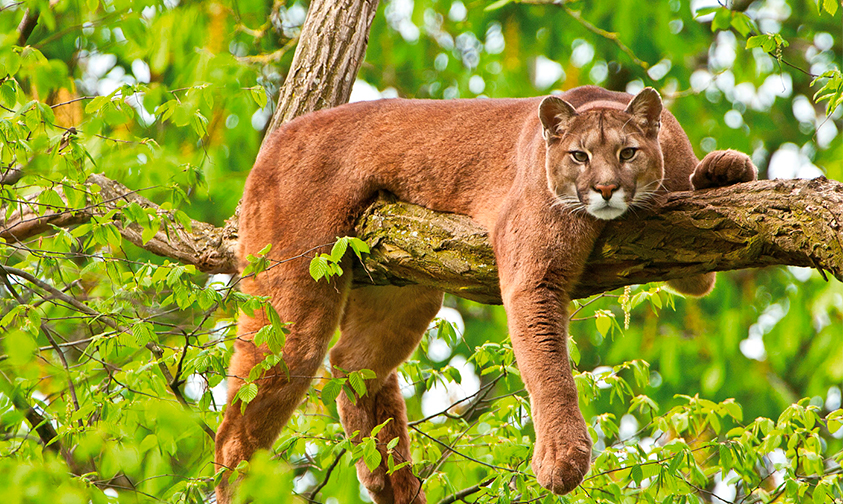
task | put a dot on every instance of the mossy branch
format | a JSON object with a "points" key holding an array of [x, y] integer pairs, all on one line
{"points": [[771, 222], [764, 223]]}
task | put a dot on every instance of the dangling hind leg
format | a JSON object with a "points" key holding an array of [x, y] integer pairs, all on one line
{"points": [[314, 310], [380, 329]]}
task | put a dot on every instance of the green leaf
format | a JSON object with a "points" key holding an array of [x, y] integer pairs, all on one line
{"points": [[183, 219], [603, 323], [10, 64], [150, 229], [259, 95], [339, 248], [246, 394], [832, 90], [96, 104], [726, 460], [742, 24], [359, 247], [331, 390], [371, 455], [722, 19], [820, 494], [273, 317], [357, 383], [835, 421], [262, 335], [574, 351], [380, 427], [143, 333], [733, 408], [8, 96], [199, 123], [496, 5], [207, 297], [349, 394], [318, 268], [51, 201], [637, 474], [830, 6], [675, 462]]}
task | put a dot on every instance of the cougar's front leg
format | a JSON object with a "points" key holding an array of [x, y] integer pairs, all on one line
{"points": [[538, 327], [540, 255]]}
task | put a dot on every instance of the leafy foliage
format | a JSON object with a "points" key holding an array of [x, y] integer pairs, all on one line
{"points": [[113, 358]]}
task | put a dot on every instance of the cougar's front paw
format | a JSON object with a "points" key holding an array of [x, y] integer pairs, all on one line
{"points": [[561, 464], [723, 168]]}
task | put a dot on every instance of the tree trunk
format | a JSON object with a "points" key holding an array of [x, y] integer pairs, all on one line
{"points": [[330, 50]]}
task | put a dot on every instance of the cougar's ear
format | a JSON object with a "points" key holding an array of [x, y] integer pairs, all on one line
{"points": [[555, 114], [646, 110]]}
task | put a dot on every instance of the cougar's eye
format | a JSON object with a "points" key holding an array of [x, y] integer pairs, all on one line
{"points": [[579, 156], [627, 153]]}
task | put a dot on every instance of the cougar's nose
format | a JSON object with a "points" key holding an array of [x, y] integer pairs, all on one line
{"points": [[606, 190]]}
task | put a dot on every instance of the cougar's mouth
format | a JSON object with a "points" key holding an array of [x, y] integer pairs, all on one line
{"points": [[607, 209]]}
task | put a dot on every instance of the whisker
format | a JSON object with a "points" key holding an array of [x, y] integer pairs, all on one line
{"points": [[572, 204]]}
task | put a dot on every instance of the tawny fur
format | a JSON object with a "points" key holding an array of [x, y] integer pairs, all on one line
{"points": [[508, 164]]}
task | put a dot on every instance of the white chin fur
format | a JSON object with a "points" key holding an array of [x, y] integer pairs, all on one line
{"points": [[607, 210]]}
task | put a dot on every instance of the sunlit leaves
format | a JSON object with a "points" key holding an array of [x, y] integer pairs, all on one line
{"points": [[259, 95], [829, 6], [8, 93], [331, 390], [725, 18], [245, 394], [353, 384], [328, 265], [196, 125], [772, 43], [835, 421], [831, 91]]}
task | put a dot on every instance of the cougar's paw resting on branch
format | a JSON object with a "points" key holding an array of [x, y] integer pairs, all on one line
{"points": [[717, 169], [723, 168]]}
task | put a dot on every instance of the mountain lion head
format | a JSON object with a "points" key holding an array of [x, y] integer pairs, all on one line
{"points": [[603, 159]]}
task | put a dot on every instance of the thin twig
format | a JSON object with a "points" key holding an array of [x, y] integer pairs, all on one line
{"points": [[463, 455], [605, 34], [107, 320], [465, 492], [312, 495]]}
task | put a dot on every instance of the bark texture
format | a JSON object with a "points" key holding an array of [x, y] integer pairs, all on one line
{"points": [[764, 223], [331, 48], [770, 222]]}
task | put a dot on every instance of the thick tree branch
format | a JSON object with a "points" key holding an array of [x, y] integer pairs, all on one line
{"points": [[211, 249], [771, 222]]}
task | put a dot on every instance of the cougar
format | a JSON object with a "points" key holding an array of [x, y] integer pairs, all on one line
{"points": [[542, 175]]}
